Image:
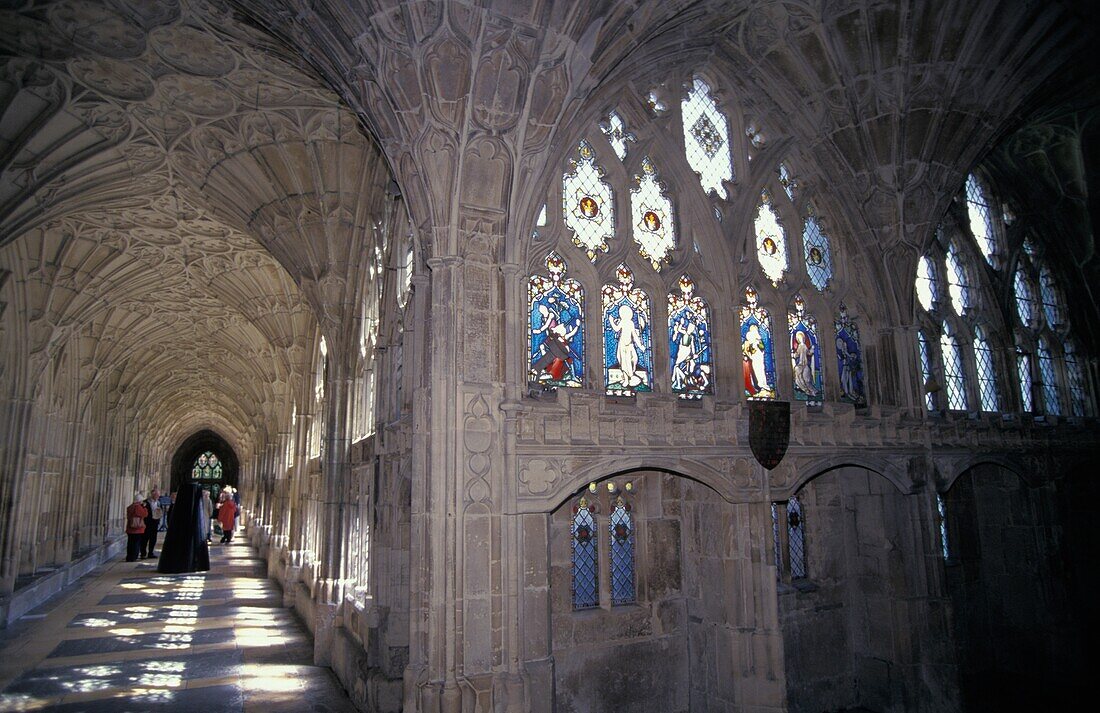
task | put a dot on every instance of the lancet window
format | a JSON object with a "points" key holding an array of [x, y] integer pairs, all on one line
{"points": [[689, 342], [621, 525], [757, 349], [805, 353], [627, 336], [982, 223], [586, 566], [556, 321]]}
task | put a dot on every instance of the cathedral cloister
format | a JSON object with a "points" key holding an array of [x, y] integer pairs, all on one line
{"points": [[648, 355]]}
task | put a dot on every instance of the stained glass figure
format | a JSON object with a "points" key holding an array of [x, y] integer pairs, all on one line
{"points": [[628, 349], [586, 591], [555, 305], [786, 181], [819, 260], [849, 357], [706, 139], [926, 283], [771, 240], [617, 135], [926, 370], [775, 539], [1051, 298], [207, 467], [757, 352], [941, 507], [796, 538], [1023, 374], [958, 285], [622, 553], [689, 342], [1026, 304], [588, 205], [1076, 376], [981, 218], [987, 374], [540, 222], [953, 375], [1051, 402], [654, 228], [805, 354]]}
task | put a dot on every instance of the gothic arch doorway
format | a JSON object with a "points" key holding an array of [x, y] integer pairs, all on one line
{"points": [[207, 459]]}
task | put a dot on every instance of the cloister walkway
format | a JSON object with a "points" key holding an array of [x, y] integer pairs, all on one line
{"points": [[130, 639]]}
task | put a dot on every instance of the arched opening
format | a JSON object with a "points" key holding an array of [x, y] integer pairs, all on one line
{"points": [[207, 459]]}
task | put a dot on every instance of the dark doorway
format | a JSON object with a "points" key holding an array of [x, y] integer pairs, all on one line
{"points": [[207, 459]]}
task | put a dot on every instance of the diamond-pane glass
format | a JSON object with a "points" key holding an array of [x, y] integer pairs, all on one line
{"points": [[926, 283], [981, 221], [584, 533], [757, 350], [1052, 300], [651, 210], [1026, 304], [941, 506], [622, 554], [1052, 403], [958, 286], [555, 306], [628, 347], [953, 376], [926, 370], [1023, 373], [1076, 376], [588, 205], [987, 375], [771, 240], [706, 139], [775, 538], [689, 342], [805, 354], [796, 538], [617, 135], [819, 260]]}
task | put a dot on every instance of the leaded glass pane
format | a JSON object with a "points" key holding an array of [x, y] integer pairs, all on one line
{"points": [[819, 261], [584, 533], [771, 240], [1052, 403], [654, 228], [958, 286], [849, 357], [775, 539], [1052, 301], [622, 554], [987, 375], [706, 139], [786, 181], [1076, 376], [981, 220], [941, 507], [588, 205], [628, 349], [617, 135], [926, 370], [926, 283], [555, 305], [1026, 305], [796, 539], [953, 376], [805, 354], [207, 467], [757, 352], [540, 222], [689, 342], [1023, 373]]}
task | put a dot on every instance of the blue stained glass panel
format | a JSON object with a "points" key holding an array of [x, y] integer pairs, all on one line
{"points": [[556, 311], [849, 358], [805, 354], [622, 554], [689, 342], [586, 591], [628, 347], [757, 350]]}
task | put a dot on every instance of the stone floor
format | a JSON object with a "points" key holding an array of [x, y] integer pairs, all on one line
{"points": [[129, 639]]}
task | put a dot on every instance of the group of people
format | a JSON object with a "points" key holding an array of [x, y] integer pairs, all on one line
{"points": [[146, 516]]}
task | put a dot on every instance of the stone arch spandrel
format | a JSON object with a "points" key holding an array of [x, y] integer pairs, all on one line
{"points": [[793, 474], [1028, 468]]}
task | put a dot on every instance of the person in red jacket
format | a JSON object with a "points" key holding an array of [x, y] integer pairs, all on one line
{"points": [[135, 527], [227, 510]]}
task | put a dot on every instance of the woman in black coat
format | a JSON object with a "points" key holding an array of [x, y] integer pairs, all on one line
{"points": [[184, 548]]}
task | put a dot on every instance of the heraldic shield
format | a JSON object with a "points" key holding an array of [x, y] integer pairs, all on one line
{"points": [[769, 431]]}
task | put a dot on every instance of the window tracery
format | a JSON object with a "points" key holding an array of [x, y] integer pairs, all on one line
{"points": [[771, 240], [706, 139], [654, 228], [819, 261], [979, 210], [588, 205]]}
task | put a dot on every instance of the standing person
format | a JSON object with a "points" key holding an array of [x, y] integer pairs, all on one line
{"points": [[207, 514], [185, 548], [135, 527], [237, 502], [152, 523], [227, 510]]}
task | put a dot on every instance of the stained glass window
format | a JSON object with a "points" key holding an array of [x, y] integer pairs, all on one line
{"points": [[1052, 301], [941, 507], [207, 467], [689, 342], [796, 538], [628, 350], [953, 376], [588, 205], [757, 352], [617, 135], [654, 228], [586, 592], [654, 102], [786, 181], [540, 222], [1026, 305], [958, 286], [819, 261], [1052, 404], [771, 240], [1023, 373], [987, 374], [849, 357], [926, 283], [622, 553], [775, 538], [981, 220], [1076, 376], [555, 306], [926, 370], [805, 354], [706, 139]]}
